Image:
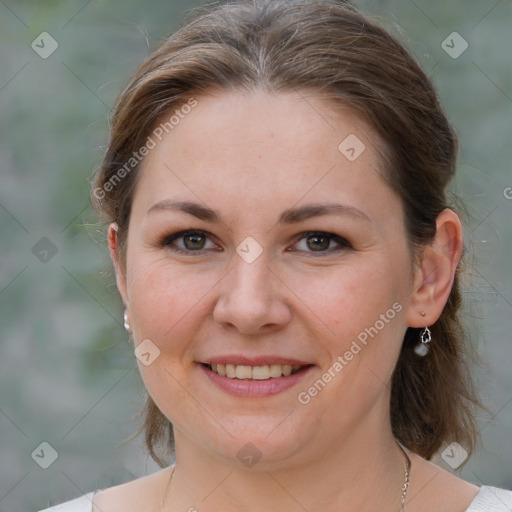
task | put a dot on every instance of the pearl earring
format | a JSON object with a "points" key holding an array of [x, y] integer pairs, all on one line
{"points": [[126, 324]]}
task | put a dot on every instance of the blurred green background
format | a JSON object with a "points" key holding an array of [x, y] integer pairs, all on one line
{"points": [[68, 375]]}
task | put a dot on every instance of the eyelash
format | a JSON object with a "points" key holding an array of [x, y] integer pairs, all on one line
{"points": [[167, 242]]}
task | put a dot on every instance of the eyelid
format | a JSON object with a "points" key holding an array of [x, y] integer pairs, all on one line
{"points": [[167, 240], [342, 242]]}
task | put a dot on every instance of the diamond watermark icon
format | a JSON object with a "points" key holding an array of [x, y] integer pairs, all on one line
{"points": [[454, 45], [44, 250], [44, 45], [249, 455], [352, 147], [249, 250], [454, 455], [146, 352], [45, 455]]}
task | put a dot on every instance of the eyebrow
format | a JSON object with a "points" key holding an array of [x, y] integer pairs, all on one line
{"points": [[289, 216]]}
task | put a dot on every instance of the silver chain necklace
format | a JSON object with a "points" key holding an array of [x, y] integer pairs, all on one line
{"points": [[407, 468]]}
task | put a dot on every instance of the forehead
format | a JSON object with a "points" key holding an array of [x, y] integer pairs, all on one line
{"points": [[260, 146]]}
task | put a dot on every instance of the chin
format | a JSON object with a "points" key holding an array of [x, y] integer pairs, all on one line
{"points": [[259, 443]]}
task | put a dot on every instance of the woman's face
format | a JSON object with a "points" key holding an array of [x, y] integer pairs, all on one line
{"points": [[298, 258]]}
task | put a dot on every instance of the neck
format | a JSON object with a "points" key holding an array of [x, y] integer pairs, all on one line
{"points": [[362, 472]]}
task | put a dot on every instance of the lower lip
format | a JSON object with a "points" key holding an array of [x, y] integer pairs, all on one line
{"points": [[255, 388]]}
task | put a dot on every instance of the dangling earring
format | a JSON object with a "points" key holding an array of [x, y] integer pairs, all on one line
{"points": [[425, 338], [423, 346], [126, 324]]}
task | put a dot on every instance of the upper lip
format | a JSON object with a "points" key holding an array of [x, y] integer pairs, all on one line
{"points": [[255, 360]]}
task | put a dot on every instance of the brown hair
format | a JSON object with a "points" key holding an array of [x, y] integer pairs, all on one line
{"points": [[332, 49]]}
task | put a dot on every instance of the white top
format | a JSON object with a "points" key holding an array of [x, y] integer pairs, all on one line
{"points": [[488, 499]]}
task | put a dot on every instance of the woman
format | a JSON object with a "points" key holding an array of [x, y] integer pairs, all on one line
{"points": [[275, 190]]}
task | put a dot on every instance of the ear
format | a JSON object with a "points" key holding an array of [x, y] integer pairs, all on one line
{"points": [[114, 254], [435, 272]]}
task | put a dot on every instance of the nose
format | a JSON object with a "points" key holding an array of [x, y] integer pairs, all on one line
{"points": [[252, 298]]}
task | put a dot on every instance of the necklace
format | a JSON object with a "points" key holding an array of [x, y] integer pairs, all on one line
{"points": [[407, 470], [405, 486], [166, 492]]}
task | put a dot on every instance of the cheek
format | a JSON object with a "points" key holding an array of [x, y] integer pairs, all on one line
{"points": [[363, 307], [164, 303], [347, 299], [164, 300]]}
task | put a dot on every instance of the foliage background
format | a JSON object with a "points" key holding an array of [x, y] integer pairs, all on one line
{"points": [[68, 375]]}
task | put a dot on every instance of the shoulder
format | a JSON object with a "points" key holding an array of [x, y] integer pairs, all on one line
{"points": [[442, 491], [82, 504], [491, 499], [136, 495], [433, 488]]}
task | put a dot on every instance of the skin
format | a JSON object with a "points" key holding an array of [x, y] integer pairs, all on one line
{"points": [[250, 156]]}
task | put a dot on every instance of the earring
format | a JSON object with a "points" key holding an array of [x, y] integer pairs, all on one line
{"points": [[126, 324], [425, 338]]}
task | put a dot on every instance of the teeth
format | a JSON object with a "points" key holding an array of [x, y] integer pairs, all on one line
{"points": [[254, 372], [276, 370], [230, 371], [243, 372], [260, 372]]}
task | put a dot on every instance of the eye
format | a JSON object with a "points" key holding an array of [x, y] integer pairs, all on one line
{"points": [[188, 242], [322, 243], [196, 241]]}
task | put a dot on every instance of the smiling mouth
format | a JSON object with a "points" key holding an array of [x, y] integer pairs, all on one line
{"points": [[264, 372]]}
